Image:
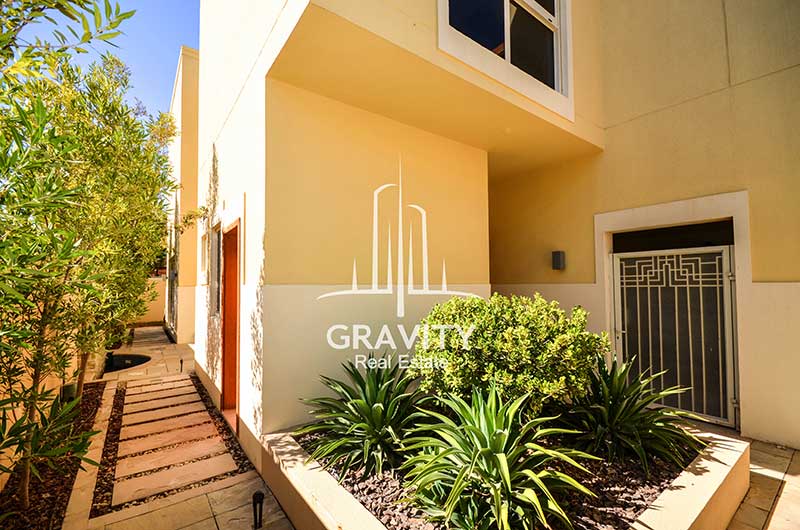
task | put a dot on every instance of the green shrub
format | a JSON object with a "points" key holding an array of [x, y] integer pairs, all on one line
{"points": [[362, 427], [523, 345], [619, 417], [480, 465]]}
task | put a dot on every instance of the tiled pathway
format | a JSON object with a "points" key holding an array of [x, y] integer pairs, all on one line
{"points": [[166, 358], [773, 501], [154, 456], [169, 444]]}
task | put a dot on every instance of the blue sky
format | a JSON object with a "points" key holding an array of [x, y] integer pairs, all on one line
{"points": [[150, 46]]}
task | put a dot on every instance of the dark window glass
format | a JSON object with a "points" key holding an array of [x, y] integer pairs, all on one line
{"points": [[215, 279], [532, 46], [481, 21], [549, 5], [712, 234]]}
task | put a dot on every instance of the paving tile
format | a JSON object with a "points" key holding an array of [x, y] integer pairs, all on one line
{"points": [[786, 513], [160, 403], [750, 515], [178, 515], [158, 386], [140, 487], [238, 519], [161, 426], [147, 396], [227, 499], [793, 471], [158, 414], [772, 449], [155, 441], [165, 379], [763, 490], [280, 524], [768, 464], [169, 457], [205, 524], [736, 525]]}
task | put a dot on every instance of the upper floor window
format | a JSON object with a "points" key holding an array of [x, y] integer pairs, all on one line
{"points": [[523, 44]]}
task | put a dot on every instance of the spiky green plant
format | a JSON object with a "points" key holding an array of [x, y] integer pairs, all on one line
{"points": [[620, 416], [480, 465], [363, 425]]}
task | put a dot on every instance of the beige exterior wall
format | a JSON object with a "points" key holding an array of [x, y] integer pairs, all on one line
{"points": [[685, 99], [699, 101], [183, 157], [319, 212], [155, 308], [237, 48]]}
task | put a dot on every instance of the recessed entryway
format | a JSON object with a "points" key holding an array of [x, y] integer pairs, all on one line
{"points": [[674, 312]]}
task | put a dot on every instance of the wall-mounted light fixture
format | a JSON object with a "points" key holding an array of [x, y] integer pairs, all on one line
{"points": [[559, 260]]}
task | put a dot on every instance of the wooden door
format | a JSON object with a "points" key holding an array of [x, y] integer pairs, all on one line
{"points": [[230, 319]]}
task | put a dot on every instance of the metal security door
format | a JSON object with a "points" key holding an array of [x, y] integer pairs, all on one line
{"points": [[674, 312]]}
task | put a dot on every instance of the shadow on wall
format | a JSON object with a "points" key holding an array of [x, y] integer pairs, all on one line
{"points": [[257, 339], [213, 332]]}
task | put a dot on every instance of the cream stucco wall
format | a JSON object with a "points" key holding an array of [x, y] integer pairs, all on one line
{"points": [[700, 100], [237, 48], [183, 157], [688, 99], [319, 214], [155, 308]]}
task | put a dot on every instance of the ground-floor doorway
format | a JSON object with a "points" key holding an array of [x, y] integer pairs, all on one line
{"points": [[230, 325], [674, 310]]}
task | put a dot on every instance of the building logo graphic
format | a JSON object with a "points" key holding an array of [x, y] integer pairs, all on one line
{"points": [[404, 284]]}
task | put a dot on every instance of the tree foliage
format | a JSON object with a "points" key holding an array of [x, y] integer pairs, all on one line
{"points": [[83, 176], [121, 174]]}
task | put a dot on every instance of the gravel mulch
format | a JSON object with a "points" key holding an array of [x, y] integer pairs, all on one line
{"points": [[50, 495], [104, 487], [623, 492], [224, 430], [383, 495]]}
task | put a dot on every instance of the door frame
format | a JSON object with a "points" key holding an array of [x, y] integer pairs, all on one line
{"points": [[728, 316], [230, 382]]}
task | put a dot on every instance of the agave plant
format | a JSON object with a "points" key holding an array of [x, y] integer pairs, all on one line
{"points": [[362, 427], [480, 465], [620, 415]]}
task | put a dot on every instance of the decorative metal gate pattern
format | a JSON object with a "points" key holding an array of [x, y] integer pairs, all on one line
{"points": [[673, 312]]}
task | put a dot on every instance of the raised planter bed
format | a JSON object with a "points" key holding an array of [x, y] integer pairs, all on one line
{"points": [[708, 492], [704, 496]]}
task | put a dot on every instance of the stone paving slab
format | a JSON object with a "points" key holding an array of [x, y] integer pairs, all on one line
{"points": [[151, 381], [206, 524], [155, 427], [160, 403], [160, 481], [169, 457], [158, 386], [179, 515], [160, 394], [160, 414], [241, 494], [99, 523], [154, 441]]}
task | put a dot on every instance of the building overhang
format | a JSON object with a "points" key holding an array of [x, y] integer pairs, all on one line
{"points": [[337, 58]]}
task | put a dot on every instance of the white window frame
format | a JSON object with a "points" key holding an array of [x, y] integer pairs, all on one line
{"points": [[561, 100]]}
